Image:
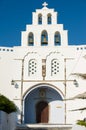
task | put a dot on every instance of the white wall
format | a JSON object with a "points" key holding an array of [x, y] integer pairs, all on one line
{"points": [[10, 68], [7, 121], [3, 121]]}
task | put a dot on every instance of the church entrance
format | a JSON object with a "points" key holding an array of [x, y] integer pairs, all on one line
{"points": [[43, 104], [42, 112]]}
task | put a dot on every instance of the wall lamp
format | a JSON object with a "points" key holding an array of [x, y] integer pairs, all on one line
{"points": [[14, 83], [75, 83]]}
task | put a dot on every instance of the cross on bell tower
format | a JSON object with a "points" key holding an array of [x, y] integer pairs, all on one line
{"points": [[45, 4]]}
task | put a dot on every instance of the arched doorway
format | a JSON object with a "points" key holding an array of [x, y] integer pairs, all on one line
{"points": [[42, 112], [43, 104]]}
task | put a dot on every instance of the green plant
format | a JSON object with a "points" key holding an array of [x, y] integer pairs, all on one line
{"points": [[6, 105], [81, 122]]}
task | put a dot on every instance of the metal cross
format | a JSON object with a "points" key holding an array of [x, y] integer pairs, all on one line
{"points": [[45, 4]]}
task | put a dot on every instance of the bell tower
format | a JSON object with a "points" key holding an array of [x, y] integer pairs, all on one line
{"points": [[48, 16], [44, 30]]}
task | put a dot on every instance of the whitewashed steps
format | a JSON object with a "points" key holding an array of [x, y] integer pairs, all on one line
{"points": [[44, 127]]}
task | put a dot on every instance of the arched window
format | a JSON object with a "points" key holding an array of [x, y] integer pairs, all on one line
{"points": [[40, 19], [30, 39], [44, 38], [49, 19], [57, 39], [54, 67], [32, 67]]}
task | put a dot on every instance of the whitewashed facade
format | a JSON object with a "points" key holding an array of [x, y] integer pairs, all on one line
{"points": [[37, 75]]}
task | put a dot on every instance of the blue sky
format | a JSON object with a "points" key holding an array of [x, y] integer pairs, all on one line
{"points": [[15, 14]]}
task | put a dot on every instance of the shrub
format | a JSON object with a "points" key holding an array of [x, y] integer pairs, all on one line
{"points": [[6, 105], [81, 122]]}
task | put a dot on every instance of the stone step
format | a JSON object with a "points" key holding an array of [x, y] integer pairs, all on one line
{"points": [[43, 127], [22, 128]]}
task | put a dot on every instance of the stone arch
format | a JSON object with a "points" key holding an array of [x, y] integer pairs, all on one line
{"points": [[42, 84], [52, 96]]}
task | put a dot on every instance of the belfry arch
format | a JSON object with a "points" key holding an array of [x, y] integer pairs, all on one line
{"points": [[40, 104], [44, 38]]}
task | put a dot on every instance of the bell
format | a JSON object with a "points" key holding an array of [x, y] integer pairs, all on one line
{"points": [[40, 19], [49, 19], [44, 40], [31, 40], [57, 40]]}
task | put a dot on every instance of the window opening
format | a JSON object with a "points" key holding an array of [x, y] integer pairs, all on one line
{"points": [[39, 19], [49, 19], [54, 67], [32, 67], [31, 39]]}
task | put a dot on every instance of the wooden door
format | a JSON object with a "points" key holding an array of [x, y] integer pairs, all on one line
{"points": [[42, 112]]}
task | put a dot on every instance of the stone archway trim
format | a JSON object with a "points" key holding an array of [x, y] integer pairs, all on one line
{"points": [[40, 85]]}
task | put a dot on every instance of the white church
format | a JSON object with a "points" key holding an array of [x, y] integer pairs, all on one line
{"points": [[38, 75]]}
